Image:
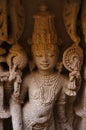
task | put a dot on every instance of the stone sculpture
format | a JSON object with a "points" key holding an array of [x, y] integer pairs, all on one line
{"points": [[4, 75], [71, 9], [47, 89], [81, 106], [76, 11], [15, 59], [73, 60], [80, 122], [45, 86]]}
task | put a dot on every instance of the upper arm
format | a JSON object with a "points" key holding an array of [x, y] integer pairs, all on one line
{"points": [[25, 87]]}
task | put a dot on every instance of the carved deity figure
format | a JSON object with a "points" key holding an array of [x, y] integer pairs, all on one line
{"points": [[44, 85]]}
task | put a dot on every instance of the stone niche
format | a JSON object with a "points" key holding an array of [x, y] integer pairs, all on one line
{"points": [[17, 36]]}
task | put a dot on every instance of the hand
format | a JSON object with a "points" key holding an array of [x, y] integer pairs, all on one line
{"points": [[18, 100], [74, 80], [66, 126], [12, 75], [74, 75]]}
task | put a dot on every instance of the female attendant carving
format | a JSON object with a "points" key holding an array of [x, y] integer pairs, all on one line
{"points": [[11, 62], [16, 60], [76, 11]]}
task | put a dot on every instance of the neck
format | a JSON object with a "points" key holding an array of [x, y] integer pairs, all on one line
{"points": [[46, 72]]}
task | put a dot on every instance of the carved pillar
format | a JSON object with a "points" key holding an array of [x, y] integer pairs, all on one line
{"points": [[3, 76]]}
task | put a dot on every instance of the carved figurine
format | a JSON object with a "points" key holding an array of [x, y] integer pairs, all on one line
{"points": [[11, 27], [45, 86], [4, 75], [16, 60], [77, 9], [73, 60]]}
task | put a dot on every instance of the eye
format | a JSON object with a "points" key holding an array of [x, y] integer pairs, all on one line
{"points": [[51, 55], [39, 55]]}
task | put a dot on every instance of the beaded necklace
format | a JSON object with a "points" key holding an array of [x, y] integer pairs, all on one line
{"points": [[48, 87]]}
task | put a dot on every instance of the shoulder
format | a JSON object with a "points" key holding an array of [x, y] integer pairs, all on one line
{"points": [[29, 78], [63, 80], [63, 77]]}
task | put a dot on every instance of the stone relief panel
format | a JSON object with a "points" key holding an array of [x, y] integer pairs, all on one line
{"points": [[47, 98], [13, 60], [76, 29], [44, 84]]}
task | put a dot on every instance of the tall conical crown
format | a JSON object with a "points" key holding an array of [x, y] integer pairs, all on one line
{"points": [[44, 34]]}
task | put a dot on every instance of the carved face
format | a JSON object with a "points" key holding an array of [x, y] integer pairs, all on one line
{"points": [[46, 60]]}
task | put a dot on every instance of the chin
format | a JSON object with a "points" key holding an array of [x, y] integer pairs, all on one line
{"points": [[44, 69]]}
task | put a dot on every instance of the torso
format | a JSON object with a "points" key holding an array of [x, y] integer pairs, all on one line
{"points": [[43, 92]]}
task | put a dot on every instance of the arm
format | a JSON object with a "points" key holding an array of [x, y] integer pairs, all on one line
{"points": [[61, 109], [74, 83], [23, 93]]}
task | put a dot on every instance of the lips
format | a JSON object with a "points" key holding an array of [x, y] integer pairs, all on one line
{"points": [[45, 65]]}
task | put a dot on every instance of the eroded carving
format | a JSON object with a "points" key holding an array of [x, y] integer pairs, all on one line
{"points": [[45, 86], [81, 106], [72, 11], [16, 60], [16, 18], [11, 27], [70, 14], [11, 20], [73, 60], [4, 75]]}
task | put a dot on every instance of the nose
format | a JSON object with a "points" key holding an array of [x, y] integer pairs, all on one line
{"points": [[44, 58]]}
